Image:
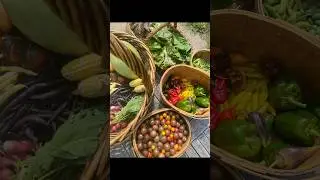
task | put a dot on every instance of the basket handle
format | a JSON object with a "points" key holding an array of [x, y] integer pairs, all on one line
{"points": [[150, 35]]}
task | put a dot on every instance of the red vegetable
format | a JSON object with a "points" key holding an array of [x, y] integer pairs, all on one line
{"points": [[5, 174], [220, 93], [173, 94], [214, 117], [227, 114], [6, 163], [16, 147]]}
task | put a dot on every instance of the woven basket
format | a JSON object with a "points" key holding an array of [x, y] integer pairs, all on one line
{"points": [[191, 74], [185, 145], [143, 67], [258, 37], [146, 39], [236, 175], [203, 54]]}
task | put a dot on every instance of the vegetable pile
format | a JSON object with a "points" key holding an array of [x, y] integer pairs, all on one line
{"points": [[39, 91], [162, 135], [303, 14], [125, 90], [187, 96], [259, 113], [202, 64], [169, 48]]}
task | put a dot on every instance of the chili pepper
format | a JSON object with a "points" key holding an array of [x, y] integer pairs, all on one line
{"points": [[219, 93], [285, 94], [174, 99], [300, 127], [227, 114]]}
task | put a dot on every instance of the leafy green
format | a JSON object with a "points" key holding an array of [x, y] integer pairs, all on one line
{"points": [[73, 144], [199, 27], [169, 48], [202, 64], [130, 110]]}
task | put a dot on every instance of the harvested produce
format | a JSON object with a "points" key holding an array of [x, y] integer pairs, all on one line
{"points": [[303, 14], [169, 48], [259, 112], [93, 86], [269, 153], [162, 135], [238, 137], [285, 95], [83, 67], [187, 96], [202, 64], [298, 126], [130, 110], [121, 68], [66, 151], [290, 158], [21, 52]]}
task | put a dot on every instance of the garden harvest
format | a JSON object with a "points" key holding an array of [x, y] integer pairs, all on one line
{"points": [[259, 113], [188, 96]]}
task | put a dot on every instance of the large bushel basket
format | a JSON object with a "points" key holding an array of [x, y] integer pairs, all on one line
{"points": [[259, 37], [143, 67]]}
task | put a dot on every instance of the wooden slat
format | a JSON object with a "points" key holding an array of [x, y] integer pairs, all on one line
{"points": [[201, 150]]}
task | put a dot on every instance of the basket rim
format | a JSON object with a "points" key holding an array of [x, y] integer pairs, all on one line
{"points": [[279, 23], [190, 115], [157, 111]]}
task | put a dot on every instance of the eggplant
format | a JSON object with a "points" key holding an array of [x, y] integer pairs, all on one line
{"points": [[58, 111], [29, 119], [59, 92]]}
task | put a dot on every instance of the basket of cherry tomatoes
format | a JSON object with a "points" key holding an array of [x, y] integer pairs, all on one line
{"points": [[164, 133]]}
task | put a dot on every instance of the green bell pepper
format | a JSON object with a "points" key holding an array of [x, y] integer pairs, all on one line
{"points": [[301, 127], [184, 105], [200, 91], [238, 137], [269, 152], [285, 95], [202, 102]]}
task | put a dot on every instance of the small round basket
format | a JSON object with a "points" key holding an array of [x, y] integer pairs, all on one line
{"points": [[202, 53], [143, 67], [193, 74], [185, 145]]}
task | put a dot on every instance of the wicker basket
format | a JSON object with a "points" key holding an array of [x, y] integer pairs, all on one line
{"points": [[146, 39], [193, 74], [235, 174], [185, 145], [259, 37], [202, 53], [143, 68]]}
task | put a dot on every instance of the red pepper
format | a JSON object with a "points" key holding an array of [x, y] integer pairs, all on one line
{"points": [[227, 114], [214, 117], [220, 93], [174, 100]]}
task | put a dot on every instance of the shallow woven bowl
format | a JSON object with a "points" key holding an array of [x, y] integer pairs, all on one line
{"points": [[192, 74], [185, 145], [202, 53]]}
